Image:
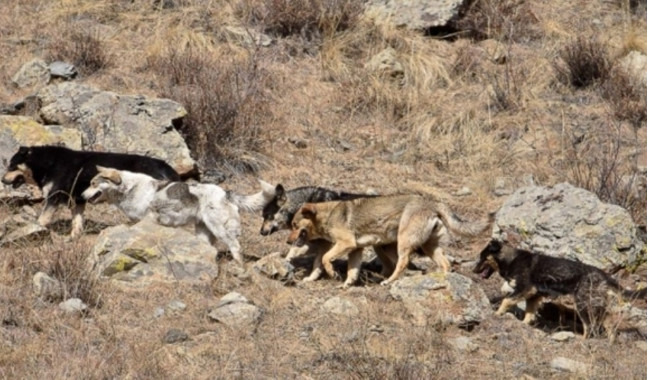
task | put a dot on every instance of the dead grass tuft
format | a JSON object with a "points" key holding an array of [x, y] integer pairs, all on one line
{"points": [[310, 19], [583, 62], [225, 101], [512, 20], [84, 49], [627, 97]]}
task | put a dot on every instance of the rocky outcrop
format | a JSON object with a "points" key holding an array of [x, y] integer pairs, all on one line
{"points": [[22, 228], [34, 73], [418, 14], [436, 297], [566, 221], [119, 123], [147, 252]]}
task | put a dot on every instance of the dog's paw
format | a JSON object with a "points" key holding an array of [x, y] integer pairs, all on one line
{"points": [[385, 283]]}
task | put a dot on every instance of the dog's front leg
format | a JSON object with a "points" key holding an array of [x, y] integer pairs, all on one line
{"points": [[317, 269], [532, 304], [506, 304], [46, 216], [339, 249], [77, 220], [354, 267]]}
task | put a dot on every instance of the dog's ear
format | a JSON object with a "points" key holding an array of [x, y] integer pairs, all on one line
{"points": [[308, 210], [267, 188], [110, 174], [280, 194]]}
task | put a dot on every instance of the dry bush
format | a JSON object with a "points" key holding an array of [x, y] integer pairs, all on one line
{"points": [[583, 62], [307, 18], [597, 162], [82, 48], [626, 96], [226, 105], [499, 19], [507, 88]]}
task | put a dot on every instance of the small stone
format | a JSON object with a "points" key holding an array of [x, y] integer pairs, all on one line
{"points": [[159, 312], [463, 343], [63, 70], [298, 143], [176, 305], [46, 287], [33, 73], [563, 336], [175, 336], [568, 365], [73, 305], [340, 306], [465, 191]]}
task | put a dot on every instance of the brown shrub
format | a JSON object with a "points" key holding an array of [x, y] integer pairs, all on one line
{"points": [[583, 62], [307, 18], [499, 19], [83, 49], [225, 103], [596, 161], [626, 96]]}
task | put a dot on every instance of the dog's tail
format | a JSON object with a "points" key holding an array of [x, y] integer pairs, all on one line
{"points": [[461, 227], [254, 202]]}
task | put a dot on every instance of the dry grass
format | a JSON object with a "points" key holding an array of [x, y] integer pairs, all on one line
{"points": [[454, 118]]}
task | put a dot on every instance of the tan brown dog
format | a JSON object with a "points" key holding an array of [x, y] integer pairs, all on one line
{"points": [[413, 221]]}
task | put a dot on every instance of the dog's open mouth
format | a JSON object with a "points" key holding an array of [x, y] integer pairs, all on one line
{"points": [[484, 269], [95, 197], [487, 272], [13, 178]]}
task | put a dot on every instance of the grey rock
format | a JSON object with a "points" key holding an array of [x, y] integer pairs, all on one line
{"points": [[275, 267], [246, 37], [563, 336], [635, 64], [148, 252], [340, 306], [418, 14], [566, 221], [235, 310], [463, 344], [47, 288], [73, 305], [298, 142], [62, 70], [450, 298], [463, 192], [159, 312], [568, 365], [176, 305], [33, 73], [641, 345], [119, 123], [175, 336]]}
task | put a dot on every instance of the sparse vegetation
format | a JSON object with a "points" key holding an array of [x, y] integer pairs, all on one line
{"points": [[583, 62], [556, 107]]}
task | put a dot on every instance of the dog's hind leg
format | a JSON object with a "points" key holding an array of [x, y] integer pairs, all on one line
{"points": [[532, 304], [387, 254], [403, 255], [77, 220]]}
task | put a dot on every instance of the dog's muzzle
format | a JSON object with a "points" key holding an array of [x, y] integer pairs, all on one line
{"points": [[298, 241], [95, 197], [268, 231], [484, 268], [14, 178]]}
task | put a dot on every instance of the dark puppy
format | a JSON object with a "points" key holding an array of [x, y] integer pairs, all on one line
{"points": [[534, 276], [63, 174]]}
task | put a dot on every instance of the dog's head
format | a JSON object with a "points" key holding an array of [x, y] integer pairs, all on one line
{"points": [[106, 181], [18, 171], [276, 217], [489, 260], [303, 226]]}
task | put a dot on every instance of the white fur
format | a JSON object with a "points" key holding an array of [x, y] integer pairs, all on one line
{"points": [[215, 217]]}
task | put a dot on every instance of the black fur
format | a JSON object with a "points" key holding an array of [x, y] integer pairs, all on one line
{"points": [[287, 203], [70, 171]]}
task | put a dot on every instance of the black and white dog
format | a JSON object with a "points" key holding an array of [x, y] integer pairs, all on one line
{"points": [[63, 174], [213, 211]]}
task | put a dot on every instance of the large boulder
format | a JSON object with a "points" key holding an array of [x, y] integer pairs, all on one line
{"points": [[148, 252], [119, 123], [566, 221], [448, 298], [33, 73], [419, 14]]}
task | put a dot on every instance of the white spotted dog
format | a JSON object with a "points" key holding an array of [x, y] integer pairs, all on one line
{"points": [[213, 211]]}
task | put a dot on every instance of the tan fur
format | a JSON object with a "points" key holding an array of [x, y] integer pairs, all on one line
{"points": [[110, 174], [412, 221]]}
